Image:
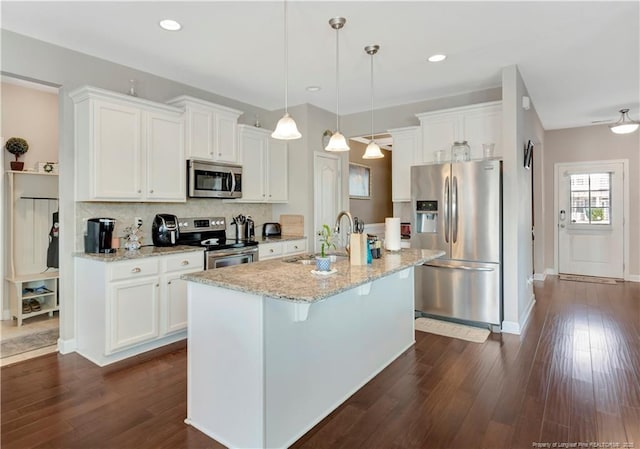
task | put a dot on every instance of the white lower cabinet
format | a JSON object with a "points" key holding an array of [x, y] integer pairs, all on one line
{"points": [[273, 250], [132, 313], [132, 306]]}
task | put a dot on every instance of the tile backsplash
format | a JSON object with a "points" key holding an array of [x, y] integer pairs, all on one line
{"points": [[125, 213]]}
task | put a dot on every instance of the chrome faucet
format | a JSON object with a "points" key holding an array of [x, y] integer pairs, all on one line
{"points": [[340, 215]]}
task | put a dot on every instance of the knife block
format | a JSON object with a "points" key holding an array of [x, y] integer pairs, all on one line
{"points": [[358, 249]]}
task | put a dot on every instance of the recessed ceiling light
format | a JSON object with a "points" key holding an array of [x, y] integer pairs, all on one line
{"points": [[170, 25], [313, 88], [437, 58]]}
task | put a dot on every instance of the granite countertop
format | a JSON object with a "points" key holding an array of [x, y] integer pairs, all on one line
{"points": [[143, 252], [294, 281], [279, 238]]}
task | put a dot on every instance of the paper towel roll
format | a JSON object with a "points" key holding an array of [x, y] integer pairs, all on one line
{"points": [[392, 234]]}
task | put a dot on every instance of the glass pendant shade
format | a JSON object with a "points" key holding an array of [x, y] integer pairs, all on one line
{"points": [[625, 125], [286, 129], [373, 151], [337, 143]]}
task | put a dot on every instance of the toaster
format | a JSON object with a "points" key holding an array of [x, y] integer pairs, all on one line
{"points": [[271, 229]]}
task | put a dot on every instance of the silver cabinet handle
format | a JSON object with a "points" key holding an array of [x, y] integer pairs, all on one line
{"points": [[271, 250], [295, 246], [136, 270], [157, 285], [151, 191], [184, 262], [139, 191], [169, 282]]}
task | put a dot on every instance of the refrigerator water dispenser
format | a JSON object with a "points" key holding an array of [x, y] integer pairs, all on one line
{"points": [[427, 216]]}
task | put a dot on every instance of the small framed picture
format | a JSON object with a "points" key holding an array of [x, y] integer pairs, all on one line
{"points": [[359, 181], [528, 154]]}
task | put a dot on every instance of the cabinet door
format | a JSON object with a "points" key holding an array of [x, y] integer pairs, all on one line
{"points": [[132, 313], [175, 305], [200, 134], [165, 161], [254, 149], [403, 156], [226, 142], [117, 150], [439, 133], [270, 250], [483, 125], [278, 171]]}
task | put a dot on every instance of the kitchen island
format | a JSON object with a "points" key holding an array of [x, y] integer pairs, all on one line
{"points": [[273, 348]]}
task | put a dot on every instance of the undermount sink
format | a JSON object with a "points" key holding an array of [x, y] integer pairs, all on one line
{"points": [[309, 259]]}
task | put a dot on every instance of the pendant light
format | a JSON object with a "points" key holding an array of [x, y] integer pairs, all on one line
{"points": [[337, 141], [625, 125], [286, 129], [373, 150]]}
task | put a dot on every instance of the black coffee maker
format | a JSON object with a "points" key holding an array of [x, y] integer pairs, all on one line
{"points": [[99, 235], [164, 230]]}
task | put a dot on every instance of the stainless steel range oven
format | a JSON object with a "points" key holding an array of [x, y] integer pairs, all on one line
{"points": [[210, 232]]}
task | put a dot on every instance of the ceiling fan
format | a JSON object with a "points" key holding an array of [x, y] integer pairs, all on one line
{"points": [[624, 125]]}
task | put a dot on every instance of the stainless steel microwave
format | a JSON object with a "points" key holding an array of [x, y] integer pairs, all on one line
{"points": [[213, 180]]}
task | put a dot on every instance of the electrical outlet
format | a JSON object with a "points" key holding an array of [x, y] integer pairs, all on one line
{"points": [[138, 221]]}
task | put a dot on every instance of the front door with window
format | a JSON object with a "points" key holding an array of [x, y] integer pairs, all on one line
{"points": [[591, 219]]}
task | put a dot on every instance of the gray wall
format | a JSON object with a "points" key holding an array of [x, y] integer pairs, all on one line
{"points": [[519, 126]]}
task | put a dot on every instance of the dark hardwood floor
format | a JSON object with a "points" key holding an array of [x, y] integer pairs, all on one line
{"points": [[572, 377]]}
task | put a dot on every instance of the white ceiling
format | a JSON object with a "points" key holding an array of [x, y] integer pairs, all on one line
{"points": [[579, 60]]}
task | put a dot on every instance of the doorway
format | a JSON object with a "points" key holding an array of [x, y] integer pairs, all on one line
{"points": [[30, 306], [327, 191], [591, 205]]}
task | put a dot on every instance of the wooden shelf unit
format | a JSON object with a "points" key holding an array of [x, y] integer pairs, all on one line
{"points": [[48, 299]]}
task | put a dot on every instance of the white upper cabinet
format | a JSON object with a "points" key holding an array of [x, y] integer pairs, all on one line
{"points": [[211, 130], [264, 166], [127, 148], [477, 124], [403, 156]]}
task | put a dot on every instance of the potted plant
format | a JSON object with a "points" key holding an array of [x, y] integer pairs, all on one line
{"points": [[17, 146], [323, 262]]}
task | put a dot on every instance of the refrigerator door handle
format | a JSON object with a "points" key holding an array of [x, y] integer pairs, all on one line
{"points": [[454, 209], [457, 267], [446, 209]]}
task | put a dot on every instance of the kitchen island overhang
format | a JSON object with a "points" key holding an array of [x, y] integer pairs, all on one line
{"points": [[273, 349]]}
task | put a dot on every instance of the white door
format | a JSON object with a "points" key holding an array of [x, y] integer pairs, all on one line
{"points": [[590, 218], [327, 192]]}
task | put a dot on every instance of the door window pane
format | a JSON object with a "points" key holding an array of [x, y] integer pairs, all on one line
{"points": [[591, 198]]}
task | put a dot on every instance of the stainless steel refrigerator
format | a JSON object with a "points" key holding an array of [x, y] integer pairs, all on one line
{"points": [[457, 208]]}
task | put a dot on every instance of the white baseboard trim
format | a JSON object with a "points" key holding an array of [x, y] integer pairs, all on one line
{"points": [[66, 346], [550, 271], [539, 276], [510, 327], [525, 318], [633, 277], [513, 327]]}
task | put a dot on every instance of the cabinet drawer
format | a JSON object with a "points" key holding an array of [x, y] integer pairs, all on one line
{"points": [[185, 261], [295, 246], [133, 269], [269, 250]]}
